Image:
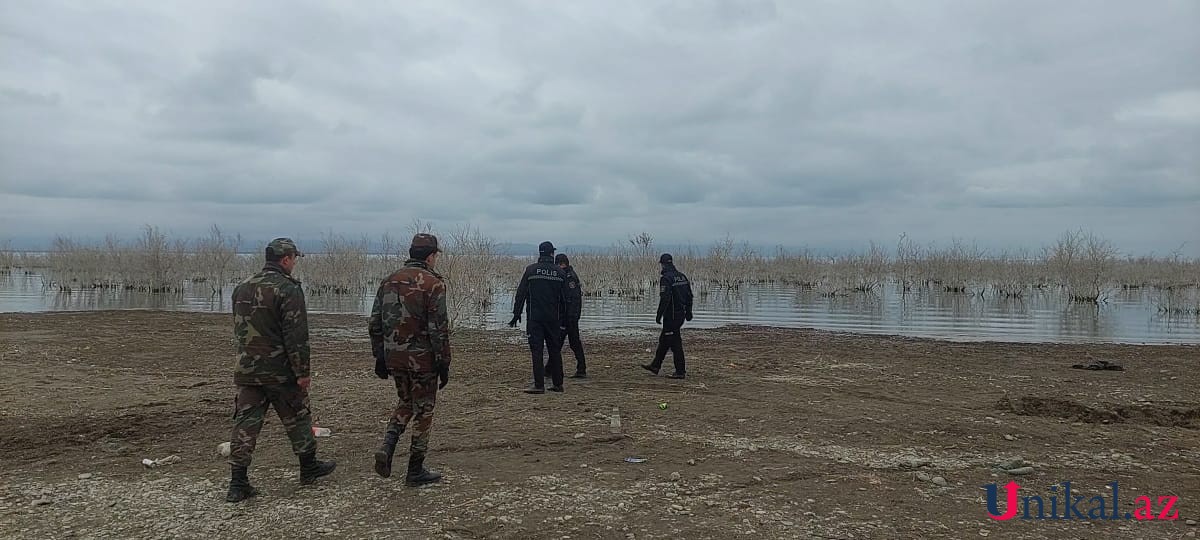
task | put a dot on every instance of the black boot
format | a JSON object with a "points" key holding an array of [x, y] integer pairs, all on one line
{"points": [[383, 456], [418, 475], [535, 389], [239, 486], [311, 469], [650, 368]]}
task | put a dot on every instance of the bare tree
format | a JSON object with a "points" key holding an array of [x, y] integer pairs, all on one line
{"points": [[643, 244], [217, 257]]}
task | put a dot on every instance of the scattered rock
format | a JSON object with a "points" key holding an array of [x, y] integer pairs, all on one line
{"points": [[169, 460], [939, 480], [675, 476], [1191, 522], [1020, 470], [42, 502], [578, 435], [1014, 463], [85, 476], [1009, 438], [924, 477]]}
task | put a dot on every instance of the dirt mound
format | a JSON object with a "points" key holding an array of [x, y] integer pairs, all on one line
{"points": [[1175, 415]]}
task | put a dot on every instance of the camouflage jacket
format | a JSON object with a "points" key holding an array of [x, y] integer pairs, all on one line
{"points": [[410, 325], [270, 322]]}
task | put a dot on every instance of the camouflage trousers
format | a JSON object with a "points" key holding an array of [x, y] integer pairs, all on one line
{"points": [[250, 410], [418, 394]]}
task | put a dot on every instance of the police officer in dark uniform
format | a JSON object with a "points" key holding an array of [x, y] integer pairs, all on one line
{"points": [[574, 312], [545, 287], [674, 307]]}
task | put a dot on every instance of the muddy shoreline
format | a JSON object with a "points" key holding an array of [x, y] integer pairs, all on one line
{"points": [[776, 433]]}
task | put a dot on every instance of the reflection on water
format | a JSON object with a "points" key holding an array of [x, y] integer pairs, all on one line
{"points": [[1129, 317]]}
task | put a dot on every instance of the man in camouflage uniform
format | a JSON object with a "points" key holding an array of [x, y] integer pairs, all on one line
{"points": [[674, 307], [270, 322], [410, 338]]}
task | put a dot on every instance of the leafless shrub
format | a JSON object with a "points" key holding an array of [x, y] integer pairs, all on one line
{"points": [[216, 258], [8, 258], [1012, 273], [802, 269], [471, 264], [956, 267], [342, 266], [158, 263], [905, 266], [1083, 263]]}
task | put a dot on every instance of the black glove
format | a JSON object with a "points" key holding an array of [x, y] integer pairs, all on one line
{"points": [[444, 376], [687, 316], [513, 323], [658, 319], [381, 369]]}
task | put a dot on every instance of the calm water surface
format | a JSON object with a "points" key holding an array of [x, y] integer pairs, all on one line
{"points": [[1128, 317]]}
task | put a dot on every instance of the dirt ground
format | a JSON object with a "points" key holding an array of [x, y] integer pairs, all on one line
{"points": [[775, 434]]}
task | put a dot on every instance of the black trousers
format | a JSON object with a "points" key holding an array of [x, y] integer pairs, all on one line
{"points": [[670, 340], [545, 335], [572, 335]]}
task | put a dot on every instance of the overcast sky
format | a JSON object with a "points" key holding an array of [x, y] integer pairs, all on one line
{"points": [[798, 123]]}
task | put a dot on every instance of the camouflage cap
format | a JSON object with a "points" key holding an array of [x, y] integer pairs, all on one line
{"points": [[282, 247], [425, 240]]}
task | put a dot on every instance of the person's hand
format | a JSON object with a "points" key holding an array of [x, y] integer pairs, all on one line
{"points": [[687, 316], [381, 369], [513, 323], [444, 376], [303, 383], [658, 319]]}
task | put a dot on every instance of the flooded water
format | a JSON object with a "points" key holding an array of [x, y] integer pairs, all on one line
{"points": [[1127, 317]]}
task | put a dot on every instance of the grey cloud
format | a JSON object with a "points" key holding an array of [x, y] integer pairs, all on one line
{"points": [[686, 119], [16, 97]]}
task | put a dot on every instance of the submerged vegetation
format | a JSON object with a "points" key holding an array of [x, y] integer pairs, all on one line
{"points": [[1079, 266]]}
